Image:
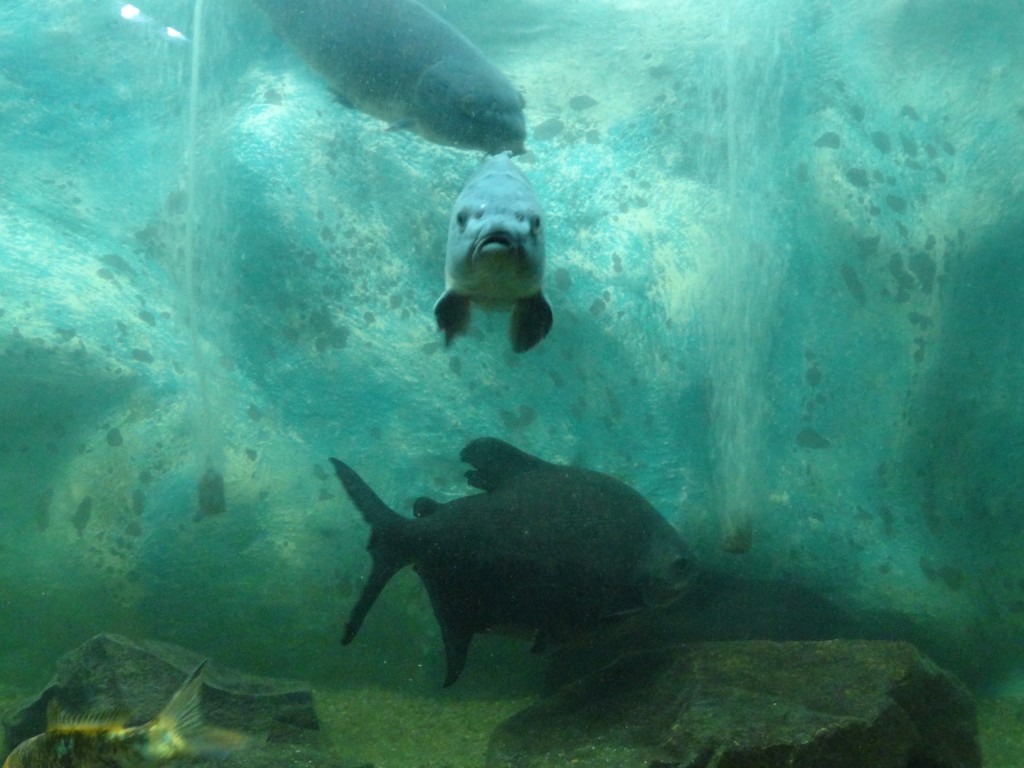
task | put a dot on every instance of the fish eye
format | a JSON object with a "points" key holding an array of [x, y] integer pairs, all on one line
{"points": [[461, 218], [535, 223]]}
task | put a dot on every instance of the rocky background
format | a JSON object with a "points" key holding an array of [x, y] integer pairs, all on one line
{"points": [[786, 260]]}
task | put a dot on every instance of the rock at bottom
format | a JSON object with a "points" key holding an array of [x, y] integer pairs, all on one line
{"points": [[110, 673], [834, 704]]}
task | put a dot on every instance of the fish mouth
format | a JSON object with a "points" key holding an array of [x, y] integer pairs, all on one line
{"points": [[662, 595], [664, 589], [495, 243]]}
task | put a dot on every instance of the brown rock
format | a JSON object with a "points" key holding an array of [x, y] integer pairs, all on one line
{"points": [[833, 704]]}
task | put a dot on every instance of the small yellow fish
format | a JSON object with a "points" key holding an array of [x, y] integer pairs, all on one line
{"points": [[104, 741]]}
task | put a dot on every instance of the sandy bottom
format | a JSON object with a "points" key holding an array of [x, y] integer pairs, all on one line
{"points": [[395, 730], [1002, 732], [392, 729]]}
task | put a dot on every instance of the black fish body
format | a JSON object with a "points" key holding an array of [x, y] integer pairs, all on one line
{"points": [[548, 549], [400, 62]]}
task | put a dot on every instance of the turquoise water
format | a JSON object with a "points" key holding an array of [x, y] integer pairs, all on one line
{"points": [[785, 256]]}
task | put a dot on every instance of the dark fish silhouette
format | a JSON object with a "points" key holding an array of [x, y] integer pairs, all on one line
{"points": [[495, 256], [105, 741], [552, 549], [400, 62]]}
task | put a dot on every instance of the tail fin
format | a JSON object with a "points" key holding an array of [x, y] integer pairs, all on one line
{"points": [[385, 550], [179, 730]]}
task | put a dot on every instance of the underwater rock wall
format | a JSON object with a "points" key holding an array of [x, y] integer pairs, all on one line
{"points": [[784, 243]]}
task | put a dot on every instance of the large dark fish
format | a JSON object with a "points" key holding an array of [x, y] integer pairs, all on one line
{"points": [[400, 62], [495, 255], [551, 549], [104, 741]]}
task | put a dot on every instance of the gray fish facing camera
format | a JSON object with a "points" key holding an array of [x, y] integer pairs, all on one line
{"points": [[495, 255], [401, 62], [550, 549]]}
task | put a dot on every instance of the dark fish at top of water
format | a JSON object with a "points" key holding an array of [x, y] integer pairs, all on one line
{"points": [[400, 62], [495, 255], [104, 741], [550, 549]]}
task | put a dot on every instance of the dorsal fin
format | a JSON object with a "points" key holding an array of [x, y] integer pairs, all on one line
{"points": [[58, 721], [496, 463]]}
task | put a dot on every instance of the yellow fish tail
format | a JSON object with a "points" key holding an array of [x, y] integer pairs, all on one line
{"points": [[179, 730]]}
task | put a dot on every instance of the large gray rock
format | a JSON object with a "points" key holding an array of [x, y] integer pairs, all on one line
{"points": [[833, 704], [111, 672]]}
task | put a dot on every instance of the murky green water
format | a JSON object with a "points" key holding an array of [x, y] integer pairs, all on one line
{"points": [[784, 243]]}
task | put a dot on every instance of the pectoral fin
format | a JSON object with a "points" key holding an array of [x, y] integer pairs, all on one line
{"points": [[531, 321], [452, 314]]}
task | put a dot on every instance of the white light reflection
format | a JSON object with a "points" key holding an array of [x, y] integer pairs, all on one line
{"points": [[174, 35], [131, 13], [134, 14]]}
